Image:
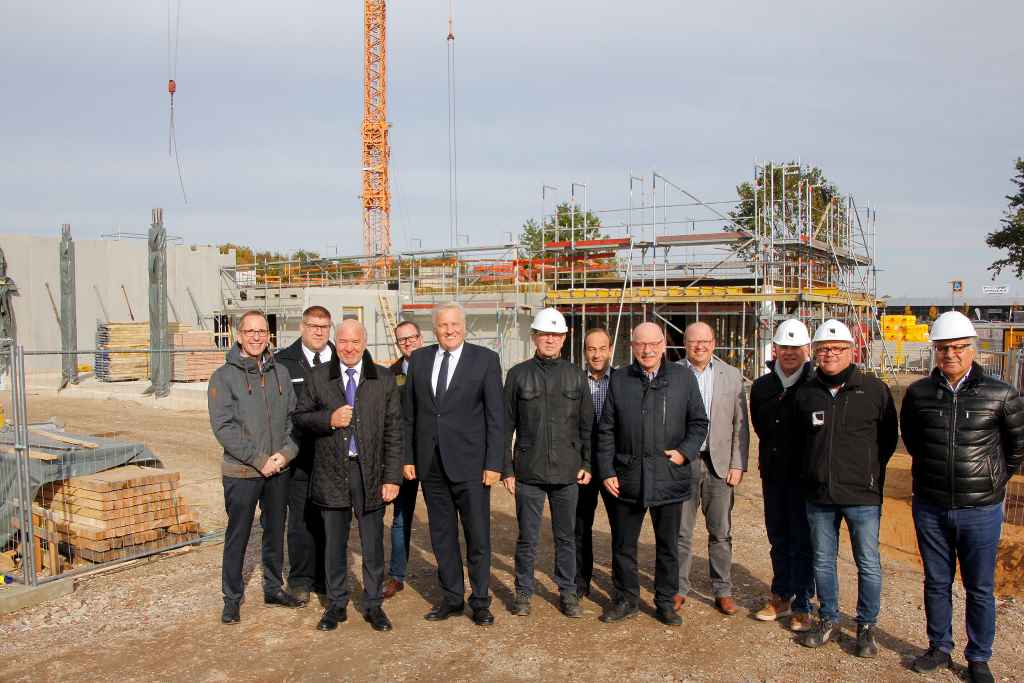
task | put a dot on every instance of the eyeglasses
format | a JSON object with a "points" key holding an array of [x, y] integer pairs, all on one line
{"points": [[954, 349], [402, 341], [317, 328], [831, 350], [700, 342], [648, 345], [255, 333]]}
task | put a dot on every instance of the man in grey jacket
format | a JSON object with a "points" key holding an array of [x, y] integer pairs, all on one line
{"points": [[719, 467], [251, 402]]}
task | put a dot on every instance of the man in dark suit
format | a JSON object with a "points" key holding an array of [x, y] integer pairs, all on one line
{"points": [[408, 338], [305, 528], [353, 407], [454, 416]]}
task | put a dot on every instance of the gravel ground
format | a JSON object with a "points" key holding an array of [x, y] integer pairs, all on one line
{"points": [[158, 620]]}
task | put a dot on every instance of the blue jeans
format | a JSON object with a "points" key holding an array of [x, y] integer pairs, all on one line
{"points": [[972, 535], [862, 521], [401, 529]]}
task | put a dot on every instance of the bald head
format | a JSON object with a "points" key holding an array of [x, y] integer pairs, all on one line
{"points": [[699, 340], [648, 341], [350, 340]]}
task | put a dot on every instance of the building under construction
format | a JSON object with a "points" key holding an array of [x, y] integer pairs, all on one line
{"points": [[789, 248]]}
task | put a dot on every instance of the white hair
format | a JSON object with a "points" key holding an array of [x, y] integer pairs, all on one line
{"points": [[448, 306]]}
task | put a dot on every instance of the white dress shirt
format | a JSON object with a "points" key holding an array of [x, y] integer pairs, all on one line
{"points": [[325, 354], [453, 360], [706, 384], [358, 367]]}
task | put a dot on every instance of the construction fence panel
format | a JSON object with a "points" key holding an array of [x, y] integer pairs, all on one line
{"points": [[99, 492]]}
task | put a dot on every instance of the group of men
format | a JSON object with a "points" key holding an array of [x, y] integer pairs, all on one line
{"points": [[318, 434]]}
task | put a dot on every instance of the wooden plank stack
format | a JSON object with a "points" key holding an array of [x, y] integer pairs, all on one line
{"points": [[114, 514], [194, 366], [121, 367]]}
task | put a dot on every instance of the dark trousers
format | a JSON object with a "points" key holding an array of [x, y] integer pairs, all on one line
{"points": [[305, 537], [586, 507], [241, 495], [448, 502], [529, 510], [626, 522], [785, 521], [972, 535], [371, 535], [401, 528]]}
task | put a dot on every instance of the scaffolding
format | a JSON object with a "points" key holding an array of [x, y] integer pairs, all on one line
{"points": [[792, 247]]}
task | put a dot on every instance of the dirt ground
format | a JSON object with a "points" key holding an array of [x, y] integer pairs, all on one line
{"points": [[159, 620]]}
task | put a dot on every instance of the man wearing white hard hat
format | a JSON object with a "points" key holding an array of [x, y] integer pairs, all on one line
{"points": [[785, 516], [964, 430], [850, 431], [549, 411]]}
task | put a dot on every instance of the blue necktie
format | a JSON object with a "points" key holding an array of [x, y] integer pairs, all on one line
{"points": [[350, 398]]}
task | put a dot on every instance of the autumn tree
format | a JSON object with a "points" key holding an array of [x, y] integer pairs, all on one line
{"points": [[570, 225]]}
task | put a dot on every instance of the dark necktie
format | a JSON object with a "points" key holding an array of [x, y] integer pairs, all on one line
{"points": [[442, 379], [350, 398], [316, 359]]}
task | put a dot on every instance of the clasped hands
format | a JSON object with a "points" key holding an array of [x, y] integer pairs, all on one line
{"points": [[273, 465]]}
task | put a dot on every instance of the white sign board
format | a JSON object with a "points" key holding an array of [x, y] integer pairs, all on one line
{"points": [[245, 278], [1001, 290]]}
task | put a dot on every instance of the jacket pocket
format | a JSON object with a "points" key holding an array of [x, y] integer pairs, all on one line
{"points": [[572, 394]]}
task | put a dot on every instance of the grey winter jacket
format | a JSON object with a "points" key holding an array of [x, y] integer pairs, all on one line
{"points": [[251, 405]]}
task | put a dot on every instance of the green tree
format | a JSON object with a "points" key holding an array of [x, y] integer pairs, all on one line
{"points": [[1011, 236], [587, 227], [786, 181]]}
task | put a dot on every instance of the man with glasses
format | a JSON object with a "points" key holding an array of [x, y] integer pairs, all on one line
{"points": [[313, 349], [850, 431], [652, 426], [719, 466], [409, 338], [964, 430], [251, 402]]}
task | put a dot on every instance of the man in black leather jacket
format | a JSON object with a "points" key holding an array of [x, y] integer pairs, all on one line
{"points": [[964, 430], [548, 407]]}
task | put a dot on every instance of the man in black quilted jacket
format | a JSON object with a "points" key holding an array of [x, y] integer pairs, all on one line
{"points": [[964, 430]]}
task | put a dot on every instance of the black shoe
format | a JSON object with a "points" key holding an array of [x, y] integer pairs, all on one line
{"points": [[377, 619], [583, 589], [668, 617], [978, 672], [619, 611], [443, 611], [866, 645], [301, 594], [932, 660], [332, 617], [281, 598], [483, 617], [521, 604], [570, 606], [819, 635], [230, 614]]}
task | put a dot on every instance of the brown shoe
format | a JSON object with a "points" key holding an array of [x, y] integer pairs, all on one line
{"points": [[678, 601], [800, 622], [726, 605], [775, 607], [391, 587]]}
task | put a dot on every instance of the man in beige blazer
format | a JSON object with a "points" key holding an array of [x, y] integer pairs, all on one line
{"points": [[718, 469]]}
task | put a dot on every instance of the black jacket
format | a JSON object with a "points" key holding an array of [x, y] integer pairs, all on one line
{"points": [[376, 420], [847, 439], [468, 428], [548, 408], [641, 420], [774, 419], [965, 446], [292, 358]]}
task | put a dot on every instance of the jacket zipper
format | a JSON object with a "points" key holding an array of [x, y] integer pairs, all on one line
{"points": [[270, 418], [831, 434], [951, 458]]}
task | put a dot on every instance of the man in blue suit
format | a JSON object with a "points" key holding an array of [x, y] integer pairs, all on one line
{"points": [[454, 425]]}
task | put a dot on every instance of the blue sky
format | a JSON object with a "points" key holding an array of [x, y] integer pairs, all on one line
{"points": [[914, 107]]}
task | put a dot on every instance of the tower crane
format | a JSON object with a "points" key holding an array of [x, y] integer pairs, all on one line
{"points": [[376, 192]]}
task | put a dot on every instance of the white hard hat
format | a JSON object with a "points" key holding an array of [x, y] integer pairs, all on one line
{"points": [[832, 330], [549, 320], [952, 325], [791, 332]]}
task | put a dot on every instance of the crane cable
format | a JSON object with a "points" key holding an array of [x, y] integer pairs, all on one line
{"points": [[172, 69], [453, 186]]}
